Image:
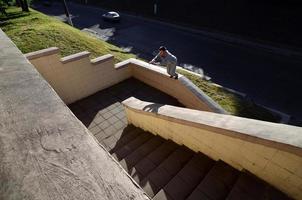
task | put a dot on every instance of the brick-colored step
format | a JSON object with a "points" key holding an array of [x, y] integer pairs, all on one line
{"points": [[249, 187], [217, 184], [160, 176], [132, 159], [182, 185], [128, 148], [152, 160]]}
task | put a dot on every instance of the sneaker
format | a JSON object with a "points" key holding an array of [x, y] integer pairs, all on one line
{"points": [[176, 77], [171, 76]]}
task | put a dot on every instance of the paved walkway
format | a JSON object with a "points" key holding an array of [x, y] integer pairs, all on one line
{"points": [[103, 114]]}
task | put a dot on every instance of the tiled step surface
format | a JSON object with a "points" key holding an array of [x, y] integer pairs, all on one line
{"points": [[131, 160], [119, 139], [152, 160], [217, 183], [249, 187], [128, 148], [162, 174], [182, 185], [168, 171]]}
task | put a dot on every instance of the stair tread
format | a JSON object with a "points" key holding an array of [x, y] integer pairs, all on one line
{"points": [[129, 161], [217, 183], [121, 138], [162, 174], [181, 185], [128, 148], [152, 160], [249, 186], [162, 195]]}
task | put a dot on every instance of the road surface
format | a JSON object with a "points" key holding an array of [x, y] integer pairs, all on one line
{"points": [[269, 79]]}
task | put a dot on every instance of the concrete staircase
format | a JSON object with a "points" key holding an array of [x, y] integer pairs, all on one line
{"points": [[167, 171]]}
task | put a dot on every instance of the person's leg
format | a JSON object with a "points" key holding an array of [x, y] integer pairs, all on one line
{"points": [[173, 71], [169, 71]]}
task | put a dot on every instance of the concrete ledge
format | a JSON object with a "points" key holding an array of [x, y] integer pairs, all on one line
{"points": [[284, 137], [102, 59], [41, 53], [75, 57], [159, 79], [123, 64], [271, 151]]}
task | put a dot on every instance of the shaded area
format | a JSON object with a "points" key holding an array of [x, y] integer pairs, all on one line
{"points": [[103, 112]]}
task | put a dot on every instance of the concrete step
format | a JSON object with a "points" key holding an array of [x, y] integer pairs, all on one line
{"points": [[130, 147], [249, 187], [152, 160], [186, 180], [119, 139], [168, 171], [162, 174], [132, 159], [217, 184]]}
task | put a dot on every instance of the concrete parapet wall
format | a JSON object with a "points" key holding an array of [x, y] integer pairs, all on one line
{"points": [[76, 76], [182, 89], [271, 151]]}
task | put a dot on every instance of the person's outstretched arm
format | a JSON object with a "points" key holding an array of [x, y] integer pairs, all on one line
{"points": [[155, 59]]}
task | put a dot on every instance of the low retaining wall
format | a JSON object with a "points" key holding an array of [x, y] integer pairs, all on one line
{"points": [[182, 89], [76, 76], [271, 151]]}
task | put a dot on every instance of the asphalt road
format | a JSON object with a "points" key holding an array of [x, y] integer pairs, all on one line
{"points": [[269, 79]]}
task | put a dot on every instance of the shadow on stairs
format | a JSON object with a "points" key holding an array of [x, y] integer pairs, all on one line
{"points": [[168, 171]]}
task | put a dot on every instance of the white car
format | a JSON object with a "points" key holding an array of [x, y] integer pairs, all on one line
{"points": [[111, 16]]}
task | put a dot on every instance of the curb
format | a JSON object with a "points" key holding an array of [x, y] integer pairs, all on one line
{"points": [[285, 118]]}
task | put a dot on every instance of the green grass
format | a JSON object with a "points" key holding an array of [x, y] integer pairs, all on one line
{"points": [[233, 103], [35, 31]]}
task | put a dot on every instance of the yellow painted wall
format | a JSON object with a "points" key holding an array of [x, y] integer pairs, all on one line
{"points": [[169, 86], [277, 167], [80, 78]]}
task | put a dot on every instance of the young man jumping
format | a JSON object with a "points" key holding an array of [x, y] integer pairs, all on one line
{"points": [[165, 58]]}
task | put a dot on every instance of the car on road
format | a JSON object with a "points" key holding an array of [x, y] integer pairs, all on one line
{"points": [[111, 16]]}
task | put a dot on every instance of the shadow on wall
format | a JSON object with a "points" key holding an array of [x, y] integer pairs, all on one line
{"points": [[152, 107]]}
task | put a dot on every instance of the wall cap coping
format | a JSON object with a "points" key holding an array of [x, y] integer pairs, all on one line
{"points": [[102, 59], [75, 57], [41, 53], [279, 136], [122, 64]]}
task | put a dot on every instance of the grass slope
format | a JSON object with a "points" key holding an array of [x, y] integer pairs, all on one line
{"points": [[35, 31], [234, 104]]}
